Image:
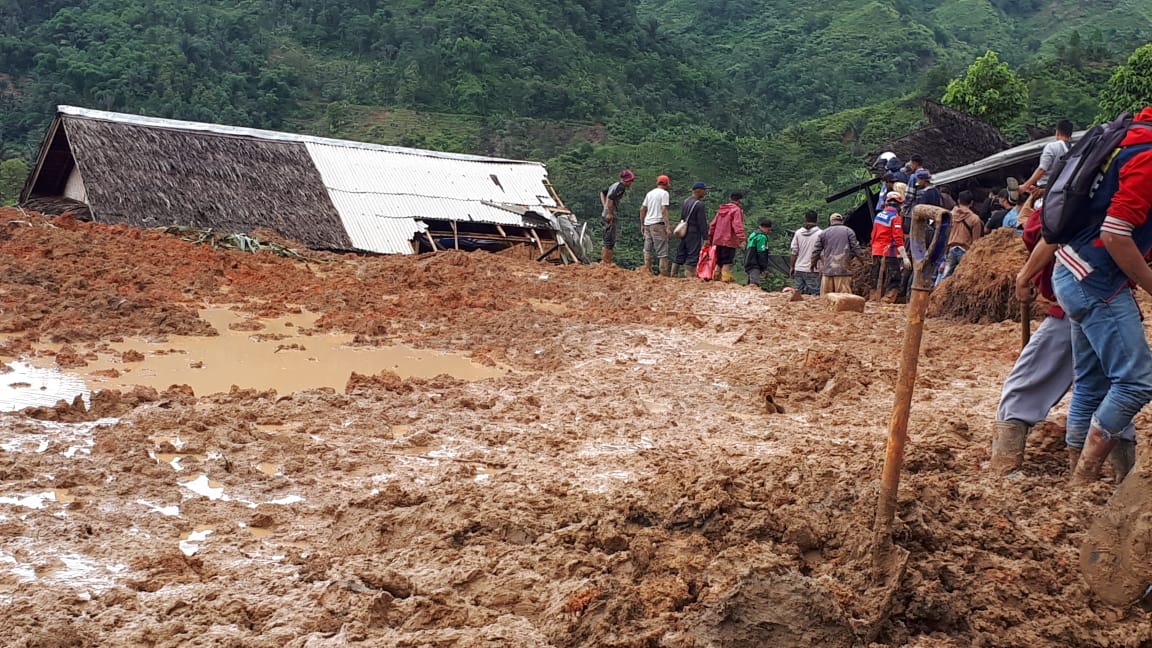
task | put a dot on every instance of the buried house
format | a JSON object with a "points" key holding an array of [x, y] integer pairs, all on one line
{"points": [[326, 193]]}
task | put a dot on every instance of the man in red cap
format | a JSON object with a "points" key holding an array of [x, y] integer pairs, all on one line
{"points": [[611, 201], [654, 222]]}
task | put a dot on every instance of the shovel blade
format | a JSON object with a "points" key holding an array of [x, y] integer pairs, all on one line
{"points": [[1116, 557]]}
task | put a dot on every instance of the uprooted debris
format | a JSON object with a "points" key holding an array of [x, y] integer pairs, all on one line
{"points": [[232, 241]]}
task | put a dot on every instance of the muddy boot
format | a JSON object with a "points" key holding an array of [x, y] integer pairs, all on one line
{"points": [[606, 255], [1116, 557], [690, 271], [647, 267], [664, 268], [1122, 458], [1073, 460], [726, 276], [1096, 450], [676, 270], [874, 295], [1008, 446]]}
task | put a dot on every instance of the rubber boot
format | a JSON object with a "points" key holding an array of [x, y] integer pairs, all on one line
{"points": [[676, 270], [664, 267], [726, 276], [1073, 460], [1122, 458], [647, 263], [1008, 446], [606, 255], [1096, 450], [690, 271]]}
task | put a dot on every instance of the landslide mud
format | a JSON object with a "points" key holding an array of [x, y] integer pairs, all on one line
{"points": [[624, 483]]}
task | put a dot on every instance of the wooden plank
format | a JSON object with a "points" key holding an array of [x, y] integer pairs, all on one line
{"points": [[431, 240], [455, 235], [501, 230]]}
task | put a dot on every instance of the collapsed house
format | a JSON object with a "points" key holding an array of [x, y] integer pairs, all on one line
{"points": [[949, 139], [328, 194]]}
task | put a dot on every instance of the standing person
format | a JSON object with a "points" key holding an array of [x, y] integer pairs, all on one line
{"points": [[1011, 203], [835, 249], [1113, 362], [966, 228], [947, 198], [727, 233], [1052, 152], [887, 246], [695, 213], [654, 224], [915, 163], [1043, 372], [756, 262], [802, 269], [611, 201]]}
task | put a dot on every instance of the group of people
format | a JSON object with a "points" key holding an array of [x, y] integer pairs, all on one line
{"points": [[905, 186], [820, 258], [1092, 339]]}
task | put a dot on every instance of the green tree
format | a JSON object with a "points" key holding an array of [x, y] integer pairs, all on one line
{"points": [[989, 90], [1130, 87], [12, 175]]}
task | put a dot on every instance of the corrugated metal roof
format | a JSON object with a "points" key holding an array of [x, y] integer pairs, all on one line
{"points": [[383, 198], [997, 160]]}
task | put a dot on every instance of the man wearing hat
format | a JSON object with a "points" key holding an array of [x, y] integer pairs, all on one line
{"points": [[611, 201], [694, 213], [654, 222], [835, 249]]}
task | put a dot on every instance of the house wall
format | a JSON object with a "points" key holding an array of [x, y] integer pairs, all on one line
{"points": [[74, 187]]}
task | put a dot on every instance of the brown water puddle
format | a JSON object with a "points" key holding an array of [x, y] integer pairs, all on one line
{"points": [[276, 356]]}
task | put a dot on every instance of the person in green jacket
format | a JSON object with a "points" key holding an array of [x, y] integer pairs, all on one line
{"points": [[757, 260]]}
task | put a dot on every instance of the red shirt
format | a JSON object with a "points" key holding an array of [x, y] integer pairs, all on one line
{"points": [[1043, 280]]}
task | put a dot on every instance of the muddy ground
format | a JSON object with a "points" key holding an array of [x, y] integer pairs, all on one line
{"points": [[621, 482]]}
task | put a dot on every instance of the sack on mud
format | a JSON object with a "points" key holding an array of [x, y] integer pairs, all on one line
{"points": [[1075, 177], [706, 267]]}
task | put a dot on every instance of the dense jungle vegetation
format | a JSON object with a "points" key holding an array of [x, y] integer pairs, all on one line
{"points": [[779, 98]]}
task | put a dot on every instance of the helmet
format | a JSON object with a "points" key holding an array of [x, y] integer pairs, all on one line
{"points": [[895, 195], [627, 175]]}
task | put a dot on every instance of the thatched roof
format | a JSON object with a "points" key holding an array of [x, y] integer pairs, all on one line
{"points": [[949, 139], [325, 193], [145, 176]]}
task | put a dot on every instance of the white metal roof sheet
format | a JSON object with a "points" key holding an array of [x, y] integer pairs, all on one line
{"points": [[382, 198]]}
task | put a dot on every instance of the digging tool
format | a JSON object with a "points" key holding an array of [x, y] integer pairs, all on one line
{"points": [[1025, 324], [889, 560], [1116, 557]]}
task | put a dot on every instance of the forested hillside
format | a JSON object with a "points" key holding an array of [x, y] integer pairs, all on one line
{"points": [[779, 98]]}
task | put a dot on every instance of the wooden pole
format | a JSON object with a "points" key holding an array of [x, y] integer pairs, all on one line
{"points": [[1025, 324], [888, 560]]}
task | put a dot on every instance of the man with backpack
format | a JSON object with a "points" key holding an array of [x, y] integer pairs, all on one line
{"points": [[1052, 152], [1101, 221], [966, 228]]}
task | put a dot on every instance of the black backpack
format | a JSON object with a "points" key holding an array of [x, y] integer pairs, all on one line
{"points": [[1067, 203]]}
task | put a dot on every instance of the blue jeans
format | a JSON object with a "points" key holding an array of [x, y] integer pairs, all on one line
{"points": [[951, 260], [808, 283], [1113, 380]]}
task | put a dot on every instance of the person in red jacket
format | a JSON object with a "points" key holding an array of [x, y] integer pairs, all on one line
{"points": [[1113, 362], [727, 233], [887, 245]]}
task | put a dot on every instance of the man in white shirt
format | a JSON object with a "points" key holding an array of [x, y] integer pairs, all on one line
{"points": [[1052, 151], [803, 270], [654, 223]]}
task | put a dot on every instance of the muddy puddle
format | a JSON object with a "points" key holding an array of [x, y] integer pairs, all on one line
{"points": [[248, 353]]}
